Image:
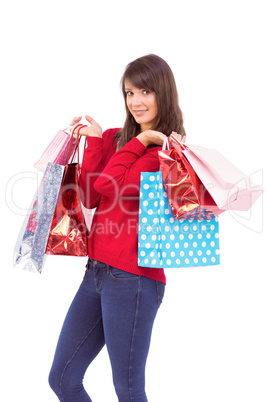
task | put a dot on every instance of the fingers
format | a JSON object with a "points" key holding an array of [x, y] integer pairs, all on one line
{"points": [[75, 120], [180, 137], [89, 119], [156, 137], [92, 121], [94, 124]]}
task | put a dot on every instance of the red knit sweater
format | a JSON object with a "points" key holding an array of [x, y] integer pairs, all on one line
{"points": [[110, 182]]}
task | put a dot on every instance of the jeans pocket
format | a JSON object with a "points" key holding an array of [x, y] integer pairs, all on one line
{"points": [[120, 275], [160, 291]]}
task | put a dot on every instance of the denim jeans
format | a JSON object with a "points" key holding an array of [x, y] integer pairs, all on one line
{"points": [[115, 308]]}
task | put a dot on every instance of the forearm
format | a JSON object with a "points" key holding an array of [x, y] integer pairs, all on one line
{"points": [[121, 175]]}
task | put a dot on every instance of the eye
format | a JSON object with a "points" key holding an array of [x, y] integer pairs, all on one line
{"points": [[128, 93], [146, 91]]}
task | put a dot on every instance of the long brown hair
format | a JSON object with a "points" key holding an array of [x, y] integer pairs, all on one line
{"points": [[152, 73]]}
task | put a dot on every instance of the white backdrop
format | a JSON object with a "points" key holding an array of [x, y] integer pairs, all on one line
{"points": [[65, 58]]}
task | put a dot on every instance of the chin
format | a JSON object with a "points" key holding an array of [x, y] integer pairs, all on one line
{"points": [[142, 121]]}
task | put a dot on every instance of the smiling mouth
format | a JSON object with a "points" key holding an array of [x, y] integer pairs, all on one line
{"points": [[140, 112]]}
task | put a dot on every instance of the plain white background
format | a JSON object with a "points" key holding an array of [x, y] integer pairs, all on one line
{"points": [[65, 58]]}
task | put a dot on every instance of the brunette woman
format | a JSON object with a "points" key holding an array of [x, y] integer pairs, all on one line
{"points": [[117, 301]]}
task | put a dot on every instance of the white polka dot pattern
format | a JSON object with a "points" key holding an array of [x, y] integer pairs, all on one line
{"points": [[165, 242]]}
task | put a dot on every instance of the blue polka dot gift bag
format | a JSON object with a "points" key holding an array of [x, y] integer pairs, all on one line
{"points": [[166, 242]]}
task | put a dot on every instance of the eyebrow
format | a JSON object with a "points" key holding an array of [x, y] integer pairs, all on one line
{"points": [[141, 89]]}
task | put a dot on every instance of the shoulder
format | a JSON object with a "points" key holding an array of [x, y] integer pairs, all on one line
{"points": [[153, 150], [109, 143], [151, 157]]}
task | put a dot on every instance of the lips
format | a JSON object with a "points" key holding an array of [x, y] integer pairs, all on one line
{"points": [[139, 112]]}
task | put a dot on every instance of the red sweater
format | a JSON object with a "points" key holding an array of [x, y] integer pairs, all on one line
{"points": [[110, 182]]}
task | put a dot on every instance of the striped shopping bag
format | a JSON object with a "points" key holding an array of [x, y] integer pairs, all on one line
{"points": [[56, 151]]}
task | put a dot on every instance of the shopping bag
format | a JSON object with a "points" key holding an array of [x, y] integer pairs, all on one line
{"points": [[213, 178], [187, 195], [57, 150], [229, 187], [68, 232], [166, 242], [29, 253]]}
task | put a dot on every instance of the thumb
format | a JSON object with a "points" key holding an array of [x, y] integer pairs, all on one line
{"points": [[89, 119]]}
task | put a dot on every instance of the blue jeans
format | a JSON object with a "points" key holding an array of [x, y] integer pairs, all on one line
{"points": [[115, 308]]}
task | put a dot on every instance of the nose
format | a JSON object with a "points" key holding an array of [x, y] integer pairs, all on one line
{"points": [[136, 100]]}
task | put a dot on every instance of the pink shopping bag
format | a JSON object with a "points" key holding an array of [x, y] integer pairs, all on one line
{"points": [[229, 186], [56, 151]]}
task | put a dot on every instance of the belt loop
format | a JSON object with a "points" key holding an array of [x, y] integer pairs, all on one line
{"points": [[108, 269]]}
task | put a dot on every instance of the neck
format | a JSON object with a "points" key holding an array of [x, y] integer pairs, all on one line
{"points": [[145, 127]]}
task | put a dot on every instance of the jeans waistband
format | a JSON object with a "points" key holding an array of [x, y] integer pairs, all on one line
{"points": [[93, 263]]}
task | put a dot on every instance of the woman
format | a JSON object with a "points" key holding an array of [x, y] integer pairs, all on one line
{"points": [[117, 301]]}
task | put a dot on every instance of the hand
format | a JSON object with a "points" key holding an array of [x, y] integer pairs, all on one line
{"points": [[149, 137], [94, 130], [181, 138]]}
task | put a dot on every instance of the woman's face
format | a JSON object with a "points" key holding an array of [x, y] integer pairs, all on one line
{"points": [[142, 105]]}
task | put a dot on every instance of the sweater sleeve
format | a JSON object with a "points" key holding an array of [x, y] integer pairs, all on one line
{"points": [[90, 170], [121, 176], [96, 155]]}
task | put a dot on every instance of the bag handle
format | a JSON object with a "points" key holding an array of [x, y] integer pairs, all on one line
{"points": [[71, 142], [166, 144], [79, 126], [78, 142], [173, 138]]}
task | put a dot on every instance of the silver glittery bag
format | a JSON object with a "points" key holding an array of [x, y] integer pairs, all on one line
{"points": [[29, 253]]}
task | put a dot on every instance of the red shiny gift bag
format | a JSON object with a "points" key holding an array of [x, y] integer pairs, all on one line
{"points": [[188, 197], [68, 233]]}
